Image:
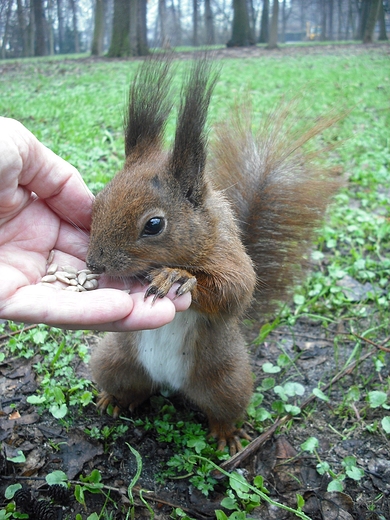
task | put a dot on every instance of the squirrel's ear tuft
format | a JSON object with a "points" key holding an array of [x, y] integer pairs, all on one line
{"points": [[188, 157], [149, 105]]}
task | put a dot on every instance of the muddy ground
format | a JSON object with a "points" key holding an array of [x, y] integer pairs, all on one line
{"points": [[287, 471]]}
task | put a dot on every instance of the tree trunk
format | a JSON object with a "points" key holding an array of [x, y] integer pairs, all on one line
{"points": [[31, 32], [284, 21], [73, 6], [23, 28], [241, 32], [209, 23], [364, 10], [49, 27], [353, 20], [339, 21], [382, 24], [330, 25], [40, 29], [264, 24], [195, 38], [120, 41], [162, 16], [273, 34], [98, 29], [371, 21], [176, 17], [60, 17], [142, 30], [302, 18], [6, 29], [133, 28], [323, 21], [252, 19]]}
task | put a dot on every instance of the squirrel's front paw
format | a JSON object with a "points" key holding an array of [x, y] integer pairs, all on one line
{"points": [[163, 279]]}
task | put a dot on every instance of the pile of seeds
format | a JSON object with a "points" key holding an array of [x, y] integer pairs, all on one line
{"points": [[71, 278]]}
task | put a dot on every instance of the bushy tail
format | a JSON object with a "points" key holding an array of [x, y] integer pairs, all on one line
{"points": [[279, 194]]}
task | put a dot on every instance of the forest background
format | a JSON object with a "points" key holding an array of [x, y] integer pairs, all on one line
{"points": [[121, 28]]}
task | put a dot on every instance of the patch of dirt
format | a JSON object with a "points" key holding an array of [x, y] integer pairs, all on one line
{"points": [[287, 471]]}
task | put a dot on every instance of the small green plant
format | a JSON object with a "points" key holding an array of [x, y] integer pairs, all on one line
{"points": [[134, 480], [60, 387], [19, 459], [107, 434], [187, 438], [349, 464], [243, 497], [284, 393], [10, 510], [90, 483]]}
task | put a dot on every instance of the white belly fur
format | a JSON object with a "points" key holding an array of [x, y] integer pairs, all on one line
{"points": [[164, 352]]}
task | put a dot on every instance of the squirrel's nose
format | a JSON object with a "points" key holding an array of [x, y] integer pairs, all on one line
{"points": [[94, 260], [95, 267]]}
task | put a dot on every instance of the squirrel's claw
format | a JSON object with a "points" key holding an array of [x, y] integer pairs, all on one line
{"points": [[104, 401], [163, 279], [231, 439]]}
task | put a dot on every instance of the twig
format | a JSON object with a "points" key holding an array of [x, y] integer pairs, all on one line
{"points": [[253, 446], [380, 347], [9, 334]]}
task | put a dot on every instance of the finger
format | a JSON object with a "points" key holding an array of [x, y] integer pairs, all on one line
{"points": [[181, 303], [36, 168], [147, 315], [104, 309]]}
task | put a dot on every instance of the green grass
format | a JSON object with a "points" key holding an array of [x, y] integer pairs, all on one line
{"points": [[75, 106]]}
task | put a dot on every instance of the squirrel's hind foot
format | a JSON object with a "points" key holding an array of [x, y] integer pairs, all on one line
{"points": [[105, 400], [231, 438]]}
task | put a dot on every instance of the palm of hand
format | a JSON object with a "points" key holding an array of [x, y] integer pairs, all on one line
{"points": [[26, 241]]}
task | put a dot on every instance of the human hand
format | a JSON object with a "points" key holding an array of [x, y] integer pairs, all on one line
{"points": [[44, 206]]}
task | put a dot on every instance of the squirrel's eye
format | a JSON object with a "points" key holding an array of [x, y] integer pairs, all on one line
{"points": [[154, 226]]}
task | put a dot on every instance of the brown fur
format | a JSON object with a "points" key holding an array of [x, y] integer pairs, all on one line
{"points": [[259, 196], [278, 193]]}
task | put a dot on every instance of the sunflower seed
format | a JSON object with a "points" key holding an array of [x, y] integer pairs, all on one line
{"points": [[52, 269], [92, 276], [82, 277], [62, 277], [49, 278], [70, 269], [51, 257], [69, 274], [90, 285]]}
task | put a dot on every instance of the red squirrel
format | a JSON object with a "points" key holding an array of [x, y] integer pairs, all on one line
{"points": [[220, 228]]}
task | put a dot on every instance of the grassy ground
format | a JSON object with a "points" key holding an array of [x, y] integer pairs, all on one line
{"points": [[75, 106]]}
